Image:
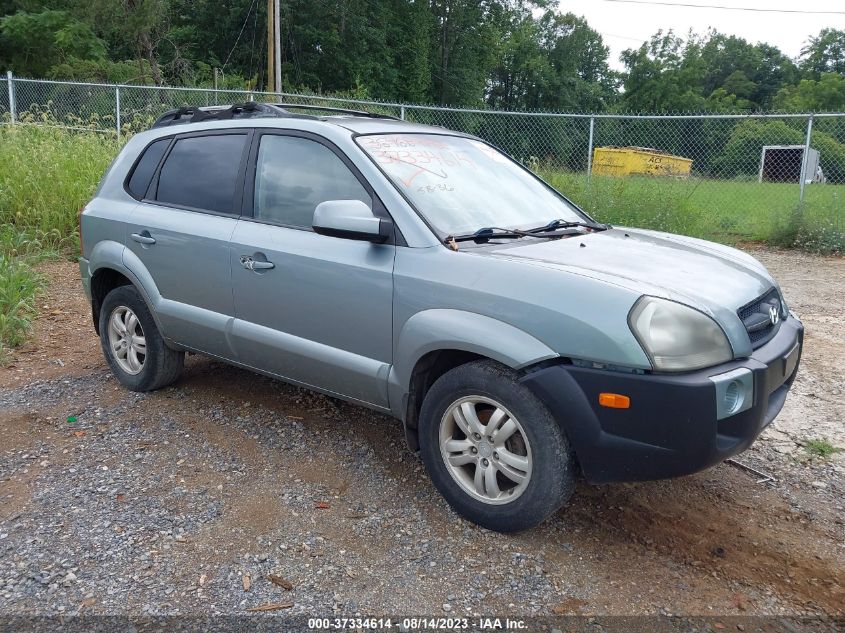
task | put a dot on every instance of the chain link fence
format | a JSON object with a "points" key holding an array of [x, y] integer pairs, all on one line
{"points": [[740, 176]]}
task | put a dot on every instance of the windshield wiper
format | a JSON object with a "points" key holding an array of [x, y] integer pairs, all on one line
{"points": [[489, 232], [494, 232], [556, 225]]}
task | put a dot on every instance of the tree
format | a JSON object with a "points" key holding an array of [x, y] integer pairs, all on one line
{"points": [[824, 53], [522, 70], [663, 75], [825, 95], [139, 30], [581, 78], [32, 43], [713, 70], [463, 47]]}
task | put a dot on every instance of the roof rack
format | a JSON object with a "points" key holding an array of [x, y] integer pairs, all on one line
{"points": [[364, 113], [249, 110]]}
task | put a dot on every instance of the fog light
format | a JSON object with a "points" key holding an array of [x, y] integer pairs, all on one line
{"points": [[733, 397], [734, 392]]}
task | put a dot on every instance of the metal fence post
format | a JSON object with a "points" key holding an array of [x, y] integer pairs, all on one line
{"points": [[402, 112], [117, 109], [590, 148], [806, 160], [12, 106]]}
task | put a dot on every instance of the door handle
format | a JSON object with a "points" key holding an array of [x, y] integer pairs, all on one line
{"points": [[255, 264], [143, 238]]}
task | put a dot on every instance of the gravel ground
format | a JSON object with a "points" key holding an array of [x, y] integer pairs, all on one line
{"points": [[186, 500]]}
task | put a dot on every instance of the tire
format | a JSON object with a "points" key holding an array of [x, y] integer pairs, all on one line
{"points": [[538, 444], [158, 365]]}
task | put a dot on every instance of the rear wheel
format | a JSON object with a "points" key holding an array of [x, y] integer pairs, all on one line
{"points": [[132, 344], [493, 449]]}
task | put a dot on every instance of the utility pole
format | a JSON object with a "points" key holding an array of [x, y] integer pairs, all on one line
{"points": [[277, 45], [271, 38]]}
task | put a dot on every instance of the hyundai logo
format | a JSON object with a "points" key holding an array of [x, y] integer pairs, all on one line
{"points": [[774, 315]]}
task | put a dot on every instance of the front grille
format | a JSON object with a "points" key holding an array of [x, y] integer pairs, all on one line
{"points": [[757, 318]]}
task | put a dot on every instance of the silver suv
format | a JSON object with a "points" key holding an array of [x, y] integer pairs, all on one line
{"points": [[422, 273]]}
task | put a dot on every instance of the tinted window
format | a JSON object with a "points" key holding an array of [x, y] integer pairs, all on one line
{"points": [[294, 175], [201, 172], [144, 170]]}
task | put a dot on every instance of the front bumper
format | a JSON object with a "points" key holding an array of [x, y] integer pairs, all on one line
{"points": [[672, 427]]}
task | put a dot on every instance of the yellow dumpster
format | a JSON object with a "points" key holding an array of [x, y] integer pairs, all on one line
{"points": [[627, 161]]}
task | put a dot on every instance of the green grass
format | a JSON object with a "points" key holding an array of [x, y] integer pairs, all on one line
{"points": [[46, 175], [19, 287], [719, 210], [821, 448]]}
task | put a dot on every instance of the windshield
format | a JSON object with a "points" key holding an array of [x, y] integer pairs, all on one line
{"points": [[461, 185]]}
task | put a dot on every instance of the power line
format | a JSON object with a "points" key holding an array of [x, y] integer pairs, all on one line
{"points": [[717, 6], [625, 37], [243, 26]]}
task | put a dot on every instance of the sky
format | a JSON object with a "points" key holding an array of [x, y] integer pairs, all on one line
{"points": [[629, 25]]}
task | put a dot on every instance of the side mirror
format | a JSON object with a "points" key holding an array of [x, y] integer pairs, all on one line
{"points": [[352, 220]]}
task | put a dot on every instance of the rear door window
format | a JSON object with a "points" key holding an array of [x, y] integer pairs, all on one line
{"points": [[201, 172], [145, 168]]}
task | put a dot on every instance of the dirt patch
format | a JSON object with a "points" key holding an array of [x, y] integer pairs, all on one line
{"points": [[62, 341], [719, 523]]}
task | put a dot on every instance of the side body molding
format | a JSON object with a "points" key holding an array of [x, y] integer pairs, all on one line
{"points": [[446, 329]]}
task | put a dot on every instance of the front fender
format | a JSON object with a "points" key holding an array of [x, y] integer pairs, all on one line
{"points": [[445, 329]]}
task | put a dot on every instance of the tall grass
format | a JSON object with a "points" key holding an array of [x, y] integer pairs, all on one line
{"points": [[46, 175], [19, 286]]}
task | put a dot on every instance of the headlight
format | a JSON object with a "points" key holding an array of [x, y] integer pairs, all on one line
{"points": [[677, 337]]}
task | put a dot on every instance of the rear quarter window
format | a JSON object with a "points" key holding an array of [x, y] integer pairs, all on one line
{"points": [[145, 168], [201, 172]]}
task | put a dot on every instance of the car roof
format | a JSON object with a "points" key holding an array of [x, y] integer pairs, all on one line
{"points": [[364, 125], [252, 114]]}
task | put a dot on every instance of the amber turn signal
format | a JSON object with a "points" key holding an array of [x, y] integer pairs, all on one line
{"points": [[614, 401]]}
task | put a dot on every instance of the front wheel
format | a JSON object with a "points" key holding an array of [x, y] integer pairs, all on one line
{"points": [[493, 449]]}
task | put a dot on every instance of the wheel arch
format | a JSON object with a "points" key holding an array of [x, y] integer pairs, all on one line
{"points": [[112, 265], [434, 341]]}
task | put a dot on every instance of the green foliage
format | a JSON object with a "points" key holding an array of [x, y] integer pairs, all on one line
{"points": [[821, 448], [825, 95], [100, 70], [723, 211], [555, 62], [34, 42], [46, 176], [825, 53], [19, 286], [714, 72], [741, 153]]}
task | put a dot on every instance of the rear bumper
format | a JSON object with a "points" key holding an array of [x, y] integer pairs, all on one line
{"points": [[672, 427], [85, 275]]}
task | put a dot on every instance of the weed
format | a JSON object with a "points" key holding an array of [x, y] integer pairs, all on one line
{"points": [[821, 448], [19, 287]]}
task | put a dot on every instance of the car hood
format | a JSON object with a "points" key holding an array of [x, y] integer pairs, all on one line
{"points": [[710, 277]]}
